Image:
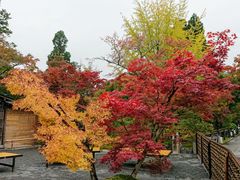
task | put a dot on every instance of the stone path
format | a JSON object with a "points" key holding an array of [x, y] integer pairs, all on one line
{"points": [[31, 166], [234, 146]]}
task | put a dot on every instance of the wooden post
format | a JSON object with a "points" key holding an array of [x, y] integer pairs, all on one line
{"points": [[173, 143], [209, 160], [226, 167], [196, 143], [201, 150], [177, 143]]}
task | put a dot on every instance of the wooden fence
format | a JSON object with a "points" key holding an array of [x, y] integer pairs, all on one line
{"points": [[220, 162]]}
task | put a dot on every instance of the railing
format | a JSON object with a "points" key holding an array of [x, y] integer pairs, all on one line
{"points": [[220, 162]]}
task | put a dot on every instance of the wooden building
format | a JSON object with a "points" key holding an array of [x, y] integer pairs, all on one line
{"points": [[17, 128]]}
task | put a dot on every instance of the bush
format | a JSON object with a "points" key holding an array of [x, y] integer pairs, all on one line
{"points": [[158, 165], [121, 177]]}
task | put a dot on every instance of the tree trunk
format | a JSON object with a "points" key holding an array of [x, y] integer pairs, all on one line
{"points": [[93, 175], [137, 167], [93, 172]]}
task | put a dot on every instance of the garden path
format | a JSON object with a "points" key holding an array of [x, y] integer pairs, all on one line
{"points": [[31, 167], [234, 146]]}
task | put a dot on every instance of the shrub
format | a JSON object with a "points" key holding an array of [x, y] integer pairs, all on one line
{"points": [[121, 177]]}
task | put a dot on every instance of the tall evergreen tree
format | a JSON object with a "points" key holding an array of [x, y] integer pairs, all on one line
{"points": [[59, 53], [4, 18], [195, 35], [195, 24]]}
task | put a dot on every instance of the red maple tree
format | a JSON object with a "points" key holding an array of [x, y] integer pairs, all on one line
{"points": [[148, 96], [67, 80]]}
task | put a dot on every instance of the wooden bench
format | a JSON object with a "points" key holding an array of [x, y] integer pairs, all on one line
{"points": [[158, 154], [161, 153], [5, 155], [96, 149]]}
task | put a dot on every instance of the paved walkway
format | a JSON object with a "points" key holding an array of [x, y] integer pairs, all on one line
{"points": [[234, 146], [31, 166]]}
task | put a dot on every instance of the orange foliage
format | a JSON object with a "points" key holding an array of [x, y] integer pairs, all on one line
{"points": [[68, 135]]}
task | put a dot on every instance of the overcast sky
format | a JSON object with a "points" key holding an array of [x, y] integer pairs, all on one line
{"points": [[85, 22]]}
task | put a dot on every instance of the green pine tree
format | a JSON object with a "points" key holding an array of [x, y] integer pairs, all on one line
{"points": [[195, 34], [4, 26], [59, 53]]}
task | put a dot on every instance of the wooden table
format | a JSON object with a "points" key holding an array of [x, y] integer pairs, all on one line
{"points": [[5, 155], [161, 153], [95, 150]]}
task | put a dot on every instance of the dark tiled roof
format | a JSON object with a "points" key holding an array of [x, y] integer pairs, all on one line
{"points": [[6, 98]]}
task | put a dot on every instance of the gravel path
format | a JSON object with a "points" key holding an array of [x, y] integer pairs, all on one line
{"points": [[234, 146], [31, 166]]}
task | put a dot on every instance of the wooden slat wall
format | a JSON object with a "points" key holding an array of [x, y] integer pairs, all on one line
{"points": [[20, 127], [1, 121], [220, 162]]}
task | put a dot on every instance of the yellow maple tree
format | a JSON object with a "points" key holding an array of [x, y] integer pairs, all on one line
{"points": [[67, 134]]}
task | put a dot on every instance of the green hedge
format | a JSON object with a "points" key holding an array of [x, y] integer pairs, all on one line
{"points": [[121, 177]]}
